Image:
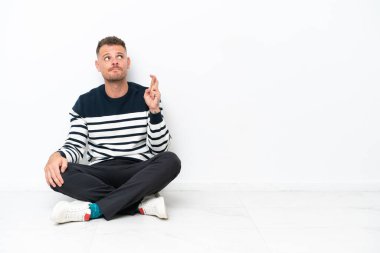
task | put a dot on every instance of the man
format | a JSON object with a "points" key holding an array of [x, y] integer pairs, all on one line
{"points": [[127, 138]]}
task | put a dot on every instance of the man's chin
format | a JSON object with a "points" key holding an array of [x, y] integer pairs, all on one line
{"points": [[115, 79]]}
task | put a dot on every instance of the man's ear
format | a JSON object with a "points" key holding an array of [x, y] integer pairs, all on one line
{"points": [[97, 65], [128, 62]]}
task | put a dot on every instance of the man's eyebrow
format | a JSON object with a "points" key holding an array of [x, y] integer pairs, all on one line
{"points": [[118, 53]]}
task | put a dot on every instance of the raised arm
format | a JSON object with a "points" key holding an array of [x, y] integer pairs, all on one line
{"points": [[158, 133]]}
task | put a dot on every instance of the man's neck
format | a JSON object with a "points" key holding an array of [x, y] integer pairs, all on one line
{"points": [[116, 89]]}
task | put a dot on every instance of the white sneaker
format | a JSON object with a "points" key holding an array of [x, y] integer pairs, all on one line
{"points": [[153, 205], [65, 211]]}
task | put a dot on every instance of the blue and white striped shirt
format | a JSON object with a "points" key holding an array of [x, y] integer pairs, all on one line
{"points": [[114, 127]]}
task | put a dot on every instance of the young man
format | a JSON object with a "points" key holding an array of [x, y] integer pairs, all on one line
{"points": [[127, 138]]}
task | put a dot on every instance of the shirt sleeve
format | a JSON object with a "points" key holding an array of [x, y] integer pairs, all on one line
{"points": [[158, 133], [76, 142]]}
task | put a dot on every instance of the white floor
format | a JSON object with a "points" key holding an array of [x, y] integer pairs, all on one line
{"points": [[203, 221]]}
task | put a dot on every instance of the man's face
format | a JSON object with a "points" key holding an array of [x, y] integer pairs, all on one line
{"points": [[113, 62]]}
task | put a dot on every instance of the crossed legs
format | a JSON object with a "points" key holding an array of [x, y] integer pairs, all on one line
{"points": [[119, 185]]}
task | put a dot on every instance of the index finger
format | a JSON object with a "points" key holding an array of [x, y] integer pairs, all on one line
{"points": [[56, 175], [153, 82]]}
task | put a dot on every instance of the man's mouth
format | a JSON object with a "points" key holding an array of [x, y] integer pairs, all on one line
{"points": [[115, 68]]}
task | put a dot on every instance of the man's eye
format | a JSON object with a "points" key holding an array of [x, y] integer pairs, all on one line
{"points": [[119, 57], [107, 58]]}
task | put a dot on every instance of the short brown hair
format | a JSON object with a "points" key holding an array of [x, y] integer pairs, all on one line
{"points": [[110, 40]]}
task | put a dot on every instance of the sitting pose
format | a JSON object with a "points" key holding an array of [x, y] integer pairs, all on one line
{"points": [[126, 136]]}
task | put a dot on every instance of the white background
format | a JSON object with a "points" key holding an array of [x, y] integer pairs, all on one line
{"points": [[260, 93]]}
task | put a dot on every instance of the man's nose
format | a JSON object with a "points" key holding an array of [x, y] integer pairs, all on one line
{"points": [[115, 61]]}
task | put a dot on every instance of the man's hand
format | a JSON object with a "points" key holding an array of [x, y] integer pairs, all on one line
{"points": [[53, 169], [152, 96]]}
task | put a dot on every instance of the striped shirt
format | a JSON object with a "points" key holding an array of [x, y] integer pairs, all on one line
{"points": [[114, 127]]}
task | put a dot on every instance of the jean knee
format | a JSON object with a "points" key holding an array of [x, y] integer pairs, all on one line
{"points": [[56, 189], [174, 163]]}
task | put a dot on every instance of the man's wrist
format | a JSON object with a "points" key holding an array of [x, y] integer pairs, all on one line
{"points": [[61, 153], [155, 118], [155, 111]]}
